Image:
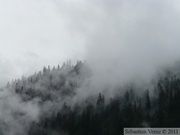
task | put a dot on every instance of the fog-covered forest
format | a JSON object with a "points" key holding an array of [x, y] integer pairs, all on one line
{"points": [[121, 66], [48, 103]]}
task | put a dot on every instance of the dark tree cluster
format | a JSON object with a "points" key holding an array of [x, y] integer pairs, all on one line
{"points": [[154, 108], [129, 110]]}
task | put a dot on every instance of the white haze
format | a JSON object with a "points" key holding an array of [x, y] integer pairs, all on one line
{"points": [[133, 40], [16, 115], [126, 41], [33, 34], [122, 41]]}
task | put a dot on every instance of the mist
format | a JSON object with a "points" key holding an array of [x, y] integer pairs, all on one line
{"points": [[16, 115], [132, 41], [121, 41], [34, 34]]}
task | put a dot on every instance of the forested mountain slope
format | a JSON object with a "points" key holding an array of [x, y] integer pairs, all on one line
{"points": [[53, 91]]}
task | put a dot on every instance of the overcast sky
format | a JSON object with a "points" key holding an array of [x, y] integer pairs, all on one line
{"points": [[134, 33], [33, 34]]}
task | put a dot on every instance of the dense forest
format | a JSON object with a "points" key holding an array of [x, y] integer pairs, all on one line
{"points": [[53, 89]]}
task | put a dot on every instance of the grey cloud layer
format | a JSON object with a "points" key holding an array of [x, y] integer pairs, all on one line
{"points": [[126, 40], [120, 39], [132, 40]]}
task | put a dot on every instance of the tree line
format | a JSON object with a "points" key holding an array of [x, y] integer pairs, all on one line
{"points": [[154, 108]]}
